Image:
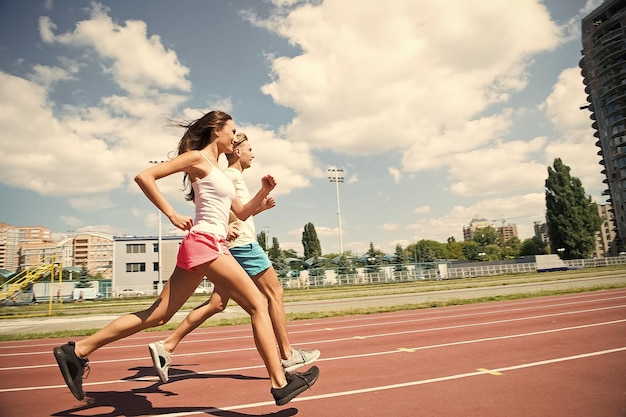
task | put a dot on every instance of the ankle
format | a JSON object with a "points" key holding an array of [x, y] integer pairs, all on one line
{"points": [[288, 354], [79, 352]]}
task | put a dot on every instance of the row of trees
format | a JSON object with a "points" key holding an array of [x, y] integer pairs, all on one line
{"points": [[571, 215]]}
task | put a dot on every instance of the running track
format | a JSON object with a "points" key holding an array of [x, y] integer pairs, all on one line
{"points": [[551, 356]]}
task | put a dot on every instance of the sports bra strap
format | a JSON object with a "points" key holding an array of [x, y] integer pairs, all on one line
{"points": [[206, 159]]}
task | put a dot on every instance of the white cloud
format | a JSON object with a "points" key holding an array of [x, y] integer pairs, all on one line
{"points": [[93, 202], [426, 68], [57, 161], [395, 174], [47, 76], [422, 210], [72, 221], [388, 226], [290, 162], [501, 169], [85, 152], [136, 61]]}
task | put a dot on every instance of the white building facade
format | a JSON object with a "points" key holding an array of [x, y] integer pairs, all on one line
{"points": [[136, 262]]}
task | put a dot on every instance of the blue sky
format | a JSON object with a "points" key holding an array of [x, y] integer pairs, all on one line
{"points": [[438, 112]]}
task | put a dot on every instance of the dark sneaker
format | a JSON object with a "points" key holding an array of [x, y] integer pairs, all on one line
{"points": [[297, 383], [299, 358], [72, 368]]}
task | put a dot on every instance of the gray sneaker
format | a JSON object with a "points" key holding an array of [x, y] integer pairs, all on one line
{"points": [[299, 358], [161, 360]]}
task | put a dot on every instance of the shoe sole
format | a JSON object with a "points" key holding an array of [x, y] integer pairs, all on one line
{"points": [[300, 365], [156, 362], [297, 392], [59, 355]]}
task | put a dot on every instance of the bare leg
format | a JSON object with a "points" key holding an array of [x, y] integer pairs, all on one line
{"points": [[227, 275], [176, 291], [267, 281], [215, 304]]}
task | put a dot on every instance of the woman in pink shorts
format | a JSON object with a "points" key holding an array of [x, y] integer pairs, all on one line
{"points": [[203, 252]]}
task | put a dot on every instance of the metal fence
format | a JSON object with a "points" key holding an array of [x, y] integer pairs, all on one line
{"points": [[328, 277]]}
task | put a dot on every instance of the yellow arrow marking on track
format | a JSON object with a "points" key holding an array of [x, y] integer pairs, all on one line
{"points": [[487, 371]]}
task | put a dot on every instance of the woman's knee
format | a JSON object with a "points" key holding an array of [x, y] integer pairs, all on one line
{"points": [[256, 305], [218, 305]]}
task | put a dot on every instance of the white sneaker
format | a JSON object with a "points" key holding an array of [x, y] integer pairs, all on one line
{"points": [[161, 360], [299, 358]]}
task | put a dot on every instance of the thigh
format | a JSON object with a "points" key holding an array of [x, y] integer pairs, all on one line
{"points": [[178, 289], [233, 281]]}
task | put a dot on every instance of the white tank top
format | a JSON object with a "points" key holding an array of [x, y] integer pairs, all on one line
{"points": [[214, 195], [247, 231]]}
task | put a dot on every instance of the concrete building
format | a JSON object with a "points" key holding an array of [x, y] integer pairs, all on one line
{"points": [[541, 232], [606, 238], [13, 237], [604, 71], [136, 262], [93, 250], [470, 231], [506, 231]]}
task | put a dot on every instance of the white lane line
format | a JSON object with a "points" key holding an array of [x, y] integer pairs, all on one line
{"points": [[404, 332], [363, 355], [397, 386], [566, 313], [247, 334]]}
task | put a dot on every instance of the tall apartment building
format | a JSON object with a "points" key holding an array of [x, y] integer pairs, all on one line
{"points": [[470, 231], [604, 71], [541, 232], [12, 237], [93, 250], [507, 231], [606, 238]]}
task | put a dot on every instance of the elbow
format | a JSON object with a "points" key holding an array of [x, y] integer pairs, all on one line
{"points": [[139, 179]]}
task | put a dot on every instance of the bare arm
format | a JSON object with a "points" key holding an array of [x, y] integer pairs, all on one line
{"points": [[243, 211], [147, 182]]}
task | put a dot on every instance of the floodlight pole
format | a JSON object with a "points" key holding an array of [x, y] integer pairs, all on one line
{"points": [[159, 247], [337, 177]]}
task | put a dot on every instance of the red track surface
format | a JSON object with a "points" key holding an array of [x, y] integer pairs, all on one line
{"points": [[552, 356]]}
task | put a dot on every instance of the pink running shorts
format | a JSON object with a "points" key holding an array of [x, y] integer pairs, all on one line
{"points": [[198, 248]]}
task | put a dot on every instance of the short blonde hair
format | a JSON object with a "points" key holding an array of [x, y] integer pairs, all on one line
{"points": [[239, 139]]}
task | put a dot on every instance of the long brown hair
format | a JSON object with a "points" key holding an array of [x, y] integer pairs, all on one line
{"points": [[197, 136]]}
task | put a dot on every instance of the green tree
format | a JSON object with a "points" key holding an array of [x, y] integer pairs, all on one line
{"points": [[372, 259], [471, 250], [430, 250], [261, 238], [400, 258], [487, 236], [533, 246], [310, 242], [84, 277], [274, 253], [454, 249], [572, 216]]}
